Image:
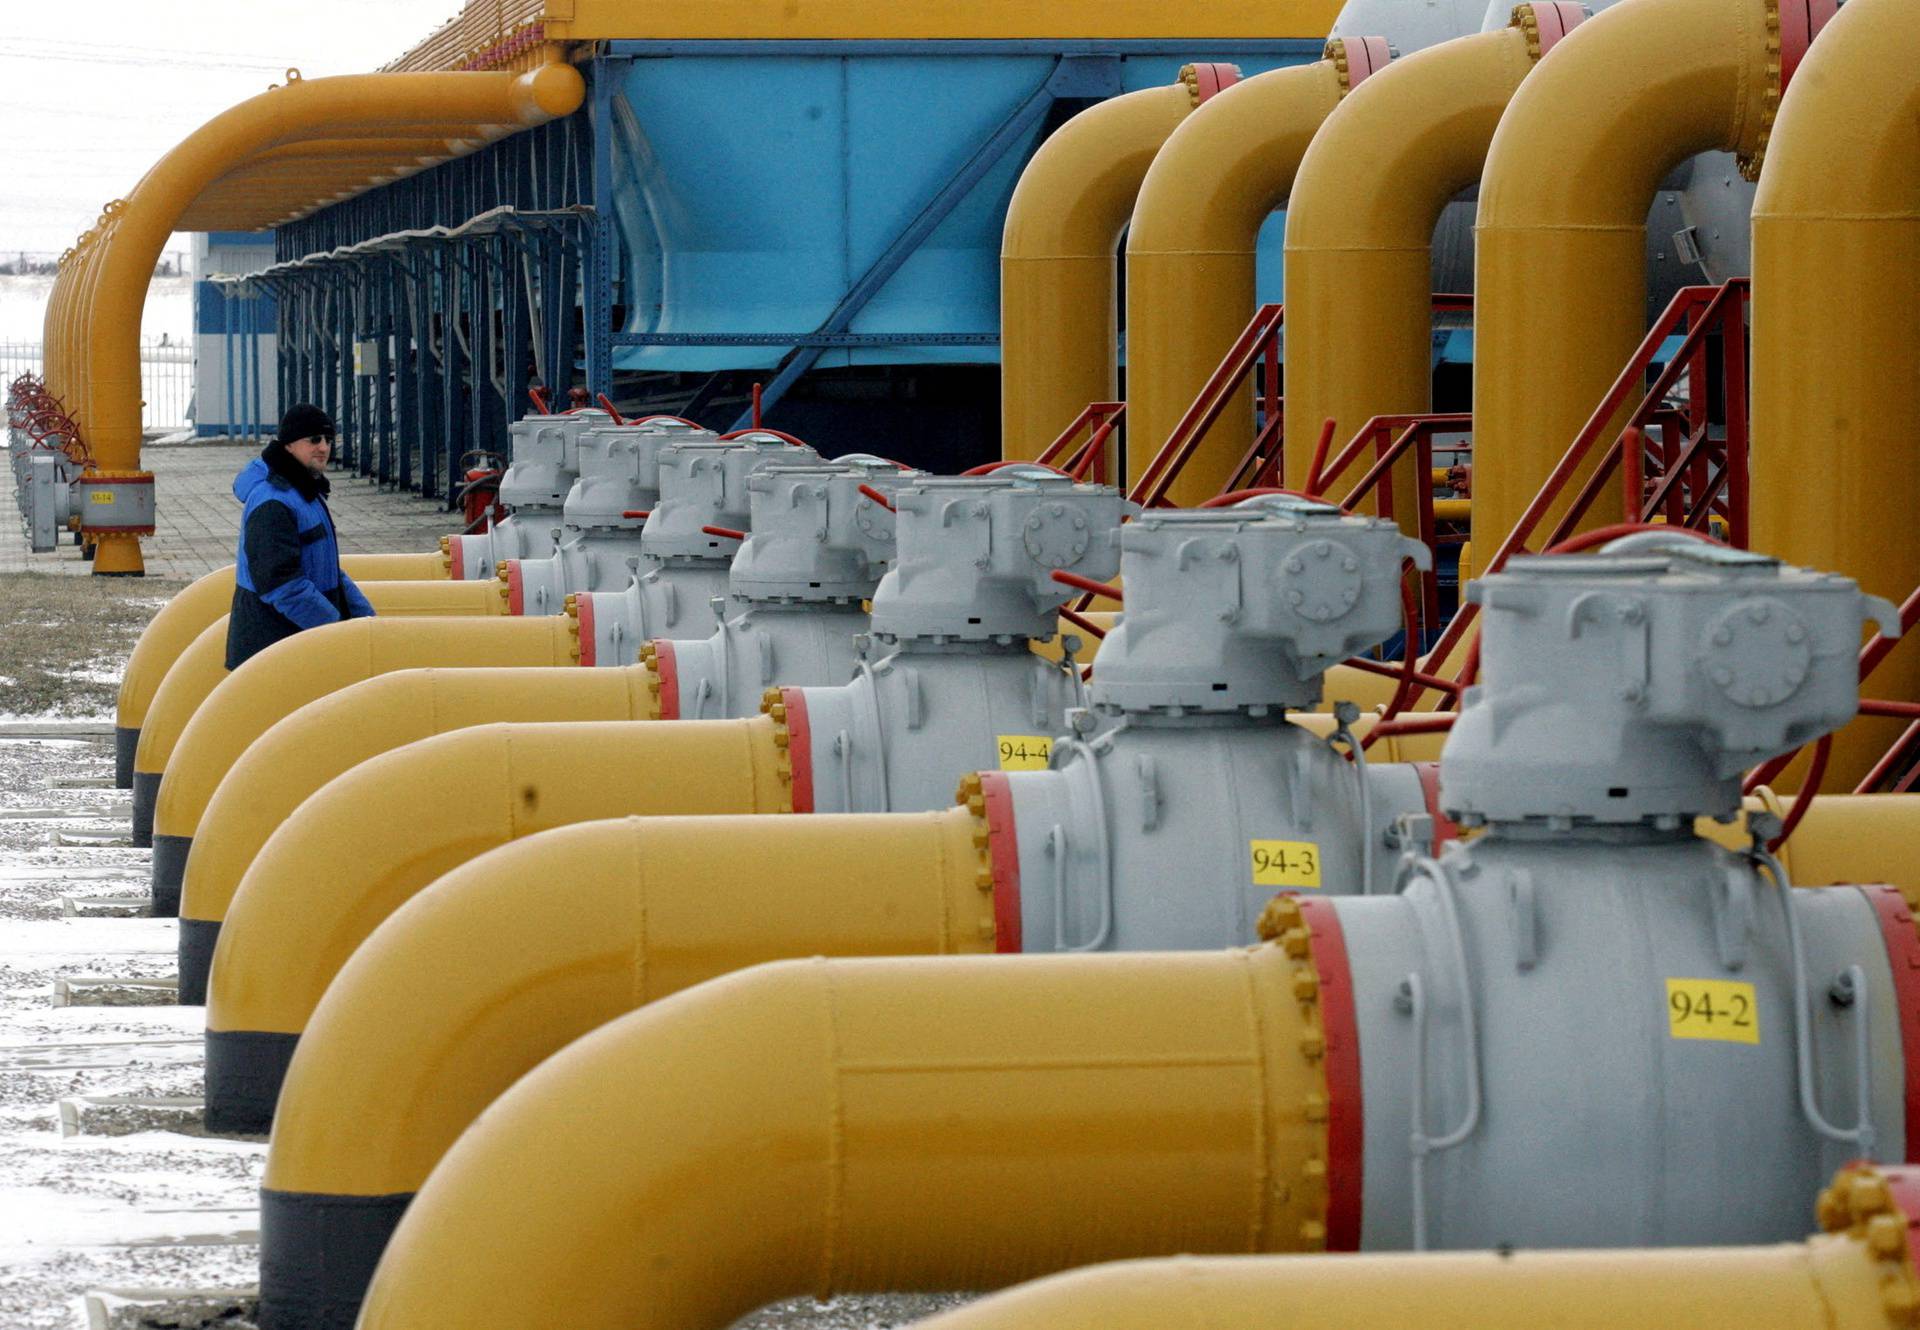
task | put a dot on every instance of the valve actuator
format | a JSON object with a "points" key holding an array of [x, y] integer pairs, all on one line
{"points": [[542, 462], [822, 537], [686, 548]]}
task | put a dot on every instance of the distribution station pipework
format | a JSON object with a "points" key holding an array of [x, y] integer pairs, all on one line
{"points": [[1237, 614], [820, 542], [543, 462], [1470, 997], [952, 679]]}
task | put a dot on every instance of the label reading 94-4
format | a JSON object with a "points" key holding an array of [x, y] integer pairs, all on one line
{"points": [[1025, 752], [1712, 1009], [1285, 863]]}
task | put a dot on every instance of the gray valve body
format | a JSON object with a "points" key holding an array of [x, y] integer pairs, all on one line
{"points": [[1585, 1027], [680, 567], [818, 549], [542, 461], [1233, 617], [953, 620]]}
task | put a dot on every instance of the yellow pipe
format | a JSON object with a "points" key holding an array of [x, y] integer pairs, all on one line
{"points": [[1058, 270], [1190, 258], [863, 1112], [303, 109], [1560, 244], [1360, 222], [207, 598], [1836, 375], [1858, 838], [300, 910], [1860, 1278], [198, 670], [334, 734]]}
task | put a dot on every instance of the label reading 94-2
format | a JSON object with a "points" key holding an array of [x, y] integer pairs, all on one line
{"points": [[1712, 1009], [1025, 752], [1285, 863]]}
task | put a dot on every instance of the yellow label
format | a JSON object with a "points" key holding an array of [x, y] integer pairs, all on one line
{"points": [[100, 496], [1712, 1009], [1025, 752], [1285, 863]]}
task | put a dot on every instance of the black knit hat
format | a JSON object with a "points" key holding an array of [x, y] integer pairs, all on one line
{"points": [[303, 421]]}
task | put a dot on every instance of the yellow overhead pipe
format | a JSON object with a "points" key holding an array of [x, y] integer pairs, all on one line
{"points": [[301, 910], [1059, 339], [1857, 1274], [1836, 375], [1190, 257], [1560, 243], [1359, 271], [302, 109], [209, 597], [334, 734], [198, 670], [862, 1111]]}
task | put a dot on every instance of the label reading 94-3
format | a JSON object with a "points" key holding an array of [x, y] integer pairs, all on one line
{"points": [[1285, 863]]}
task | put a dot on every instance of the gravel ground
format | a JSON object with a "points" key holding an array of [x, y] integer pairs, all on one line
{"points": [[160, 1218]]}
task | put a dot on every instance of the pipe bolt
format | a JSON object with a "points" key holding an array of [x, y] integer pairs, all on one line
{"points": [[1306, 985], [1886, 1235], [1297, 942]]}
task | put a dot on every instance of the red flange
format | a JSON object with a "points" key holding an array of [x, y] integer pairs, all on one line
{"points": [[1556, 18], [1211, 79], [1903, 958], [456, 568], [799, 747], [583, 605], [1443, 828], [1003, 850], [1346, 1118], [516, 594], [669, 671], [1800, 22], [1366, 56]]}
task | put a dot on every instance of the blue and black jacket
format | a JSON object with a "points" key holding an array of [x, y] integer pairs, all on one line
{"points": [[287, 569]]}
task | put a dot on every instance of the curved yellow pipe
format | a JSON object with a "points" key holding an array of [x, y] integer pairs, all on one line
{"points": [[1059, 338], [302, 908], [1836, 277], [864, 1112], [1834, 1281], [1560, 243], [334, 734], [200, 668], [207, 598], [1190, 258], [478, 979], [302, 109], [1359, 272]]}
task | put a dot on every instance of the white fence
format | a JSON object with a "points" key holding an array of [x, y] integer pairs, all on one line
{"points": [[166, 377]]}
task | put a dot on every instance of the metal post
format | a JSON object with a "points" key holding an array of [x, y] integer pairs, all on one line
{"points": [[598, 296], [227, 304]]}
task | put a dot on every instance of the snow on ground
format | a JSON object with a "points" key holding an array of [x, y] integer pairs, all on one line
{"points": [[137, 1201]]}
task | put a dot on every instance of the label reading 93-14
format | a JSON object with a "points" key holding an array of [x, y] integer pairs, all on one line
{"points": [[1285, 863], [1712, 1009], [1025, 752]]}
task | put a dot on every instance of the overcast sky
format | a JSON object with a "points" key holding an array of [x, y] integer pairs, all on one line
{"points": [[93, 92]]}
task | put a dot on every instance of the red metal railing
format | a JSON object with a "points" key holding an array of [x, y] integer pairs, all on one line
{"points": [[1088, 461]]}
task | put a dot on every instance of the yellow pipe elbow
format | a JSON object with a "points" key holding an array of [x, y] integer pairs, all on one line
{"points": [[1838, 1282], [1359, 274], [864, 1112], [314, 108], [1560, 244], [1190, 258], [479, 979], [1844, 838], [203, 664], [300, 911], [1059, 338], [331, 735], [1836, 271], [208, 597]]}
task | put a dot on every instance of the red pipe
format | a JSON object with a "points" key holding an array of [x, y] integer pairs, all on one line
{"points": [[1083, 623], [1087, 584], [540, 400], [606, 404], [879, 498], [1809, 789], [988, 468], [781, 435], [726, 531], [641, 513]]}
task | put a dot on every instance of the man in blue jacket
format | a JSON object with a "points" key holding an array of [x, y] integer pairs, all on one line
{"points": [[287, 570]]}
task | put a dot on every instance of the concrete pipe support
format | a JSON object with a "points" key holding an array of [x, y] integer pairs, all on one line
{"points": [[1360, 225], [329, 737], [1059, 298], [189, 744], [192, 676], [187, 615], [1836, 278], [1190, 257], [1560, 243], [300, 911]]}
